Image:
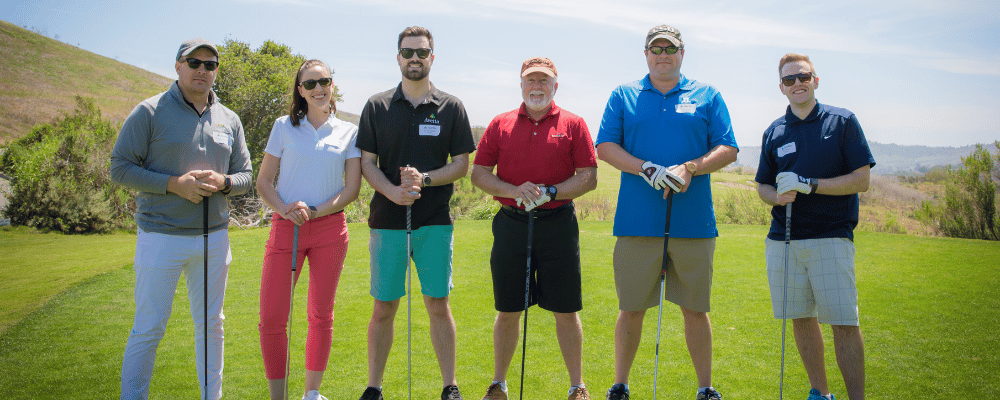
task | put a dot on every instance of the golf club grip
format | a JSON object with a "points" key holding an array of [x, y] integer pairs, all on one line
{"points": [[788, 222]]}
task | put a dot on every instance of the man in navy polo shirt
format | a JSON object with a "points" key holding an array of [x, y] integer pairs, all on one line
{"points": [[544, 158], [406, 136], [665, 119], [816, 157]]}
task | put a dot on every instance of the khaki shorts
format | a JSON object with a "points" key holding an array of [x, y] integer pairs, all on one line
{"points": [[821, 279], [638, 261]]}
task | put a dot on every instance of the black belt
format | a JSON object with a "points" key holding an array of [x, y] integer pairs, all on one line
{"points": [[539, 213]]}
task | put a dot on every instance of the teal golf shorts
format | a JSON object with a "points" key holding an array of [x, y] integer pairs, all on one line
{"points": [[432, 255]]}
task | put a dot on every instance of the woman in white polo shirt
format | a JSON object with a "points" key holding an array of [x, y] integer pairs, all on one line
{"points": [[320, 174]]}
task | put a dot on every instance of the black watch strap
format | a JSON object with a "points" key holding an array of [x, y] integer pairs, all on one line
{"points": [[228, 185], [552, 192], [813, 184]]}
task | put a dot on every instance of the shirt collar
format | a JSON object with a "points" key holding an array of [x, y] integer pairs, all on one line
{"points": [[175, 90], [682, 84], [790, 117], [434, 95], [523, 110]]}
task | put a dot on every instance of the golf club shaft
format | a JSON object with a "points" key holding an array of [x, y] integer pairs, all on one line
{"points": [[204, 223], [291, 304], [409, 307], [784, 297], [527, 298], [663, 288]]}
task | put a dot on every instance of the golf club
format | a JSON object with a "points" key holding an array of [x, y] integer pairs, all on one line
{"points": [[527, 288], [663, 288], [291, 303], [409, 304], [204, 224], [409, 307], [784, 298]]}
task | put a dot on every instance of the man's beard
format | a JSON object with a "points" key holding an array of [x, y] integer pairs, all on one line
{"points": [[537, 105], [416, 75]]}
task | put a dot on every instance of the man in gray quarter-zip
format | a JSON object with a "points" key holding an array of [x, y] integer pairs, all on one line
{"points": [[178, 149]]}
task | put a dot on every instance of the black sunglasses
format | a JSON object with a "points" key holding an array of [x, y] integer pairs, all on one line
{"points": [[789, 80], [407, 52], [310, 84], [194, 63], [660, 49]]}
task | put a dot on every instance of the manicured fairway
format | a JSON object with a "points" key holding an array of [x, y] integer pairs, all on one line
{"points": [[928, 305]]}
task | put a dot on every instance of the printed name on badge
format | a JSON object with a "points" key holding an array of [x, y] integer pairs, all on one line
{"points": [[786, 149], [222, 137], [686, 108], [430, 130]]}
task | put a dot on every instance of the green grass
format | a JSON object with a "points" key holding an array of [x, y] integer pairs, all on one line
{"points": [[928, 308]]}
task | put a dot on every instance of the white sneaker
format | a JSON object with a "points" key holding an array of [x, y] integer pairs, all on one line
{"points": [[314, 395]]}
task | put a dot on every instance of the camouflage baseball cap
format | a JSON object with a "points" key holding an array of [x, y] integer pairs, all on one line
{"points": [[539, 64], [191, 45], [665, 32]]}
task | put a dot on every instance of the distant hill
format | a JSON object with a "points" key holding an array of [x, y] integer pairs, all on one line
{"points": [[889, 158], [346, 116], [40, 76]]}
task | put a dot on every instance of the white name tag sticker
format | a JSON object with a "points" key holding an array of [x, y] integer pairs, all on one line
{"points": [[786, 149], [222, 137], [430, 130], [686, 108]]}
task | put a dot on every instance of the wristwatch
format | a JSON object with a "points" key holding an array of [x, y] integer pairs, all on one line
{"points": [[551, 191], [691, 167], [427, 179], [314, 210], [813, 185], [228, 185]]}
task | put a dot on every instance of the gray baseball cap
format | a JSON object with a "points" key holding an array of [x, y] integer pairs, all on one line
{"points": [[191, 45], [665, 32]]}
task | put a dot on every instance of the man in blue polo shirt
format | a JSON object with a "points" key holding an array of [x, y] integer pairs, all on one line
{"points": [[665, 119], [817, 157]]}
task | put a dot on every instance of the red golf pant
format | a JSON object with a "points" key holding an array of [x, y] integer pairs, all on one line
{"points": [[324, 242]]}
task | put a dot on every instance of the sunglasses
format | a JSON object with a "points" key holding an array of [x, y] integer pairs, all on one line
{"points": [[310, 84], [657, 50], [407, 52], [194, 63], [789, 80]]}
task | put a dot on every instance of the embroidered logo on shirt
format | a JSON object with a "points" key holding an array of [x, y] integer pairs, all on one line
{"points": [[559, 135], [432, 120]]}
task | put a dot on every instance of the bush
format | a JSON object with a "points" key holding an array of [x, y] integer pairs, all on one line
{"points": [[60, 177], [740, 205], [968, 208]]}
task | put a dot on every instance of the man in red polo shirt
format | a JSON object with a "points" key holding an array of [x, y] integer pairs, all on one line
{"points": [[544, 157]]}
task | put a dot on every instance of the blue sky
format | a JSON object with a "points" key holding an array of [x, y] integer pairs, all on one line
{"points": [[915, 72]]}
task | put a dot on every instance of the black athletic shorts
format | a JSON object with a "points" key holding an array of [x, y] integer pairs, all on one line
{"points": [[555, 260]]}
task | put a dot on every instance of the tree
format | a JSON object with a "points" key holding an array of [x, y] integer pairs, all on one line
{"points": [[968, 209], [257, 85]]}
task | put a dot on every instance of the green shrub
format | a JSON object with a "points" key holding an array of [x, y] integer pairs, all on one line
{"points": [[968, 208], [60, 177], [740, 206]]}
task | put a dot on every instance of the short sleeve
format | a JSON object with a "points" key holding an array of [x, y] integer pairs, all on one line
{"points": [[612, 122]]}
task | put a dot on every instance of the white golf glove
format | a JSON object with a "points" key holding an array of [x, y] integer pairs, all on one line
{"points": [[789, 181], [659, 177], [530, 205]]}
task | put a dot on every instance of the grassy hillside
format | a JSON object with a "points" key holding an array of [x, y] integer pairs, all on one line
{"points": [[39, 78]]}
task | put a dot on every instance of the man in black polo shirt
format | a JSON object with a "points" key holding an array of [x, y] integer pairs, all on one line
{"points": [[406, 135]]}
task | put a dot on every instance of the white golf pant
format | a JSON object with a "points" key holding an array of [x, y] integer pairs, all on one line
{"points": [[159, 261]]}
